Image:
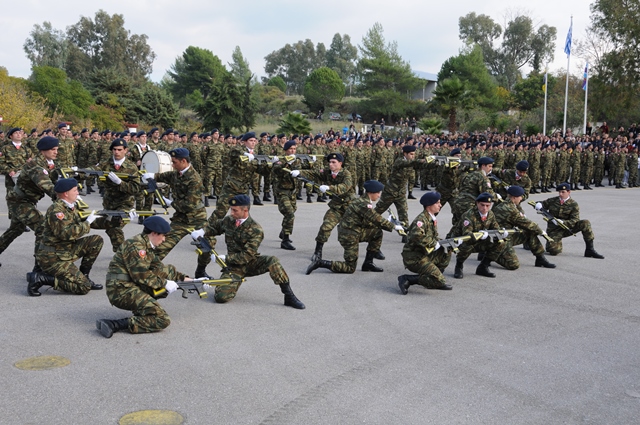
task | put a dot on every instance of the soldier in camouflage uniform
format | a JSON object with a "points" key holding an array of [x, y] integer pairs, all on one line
{"points": [[243, 237], [63, 243], [190, 212], [477, 219], [82, 156], [213, 152], [547, 165], [575, 162], [360, 223], [632, 166], [379, 161], [566, 211], [423, 235], [13, 155], [510, 215], [586, 166], [618, 162], [599, 157], [517, 177], [472, 185], [562, 164], [534, 159], [66, 149], [137, 278], [450, 179]]}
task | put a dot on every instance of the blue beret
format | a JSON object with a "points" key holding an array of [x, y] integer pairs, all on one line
{"points": [[429, 198], [563, 186], [215, 130], [522, 165], [157, 224], [484, 197], [515, 191], [118, 142], [179, 153], [408, 148], [13, 130], [247, 136], [373, 186], [141, 133], [336, 155], [280, 136], [262, 134], [62, 124], [47, 142], [65, 185], [85, 130], [455, 151], [288, 145], [240, 201], [153, 130], [485, 160]]}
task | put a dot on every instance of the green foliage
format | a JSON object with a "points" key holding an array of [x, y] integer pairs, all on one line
{"points": [[532, 129], [528, 93], [323, 88], [452, 95], [197, 69], [431, 124], [68, 97], [277, 82], [294, 63], [20, 106], [342, 57], [268, 98], [46, 46], [151, 104], [240, 67], [229, 105], [104, 117], [294, 124]]}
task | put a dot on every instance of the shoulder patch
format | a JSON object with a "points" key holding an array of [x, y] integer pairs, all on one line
{"points": [[142, 253], [465, 223], [60, 215], [488, 184], [419, 224], [322, 171], [46, 173], [369, 206]]}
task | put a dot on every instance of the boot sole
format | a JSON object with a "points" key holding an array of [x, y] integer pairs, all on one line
{"points": [[104, 329]]}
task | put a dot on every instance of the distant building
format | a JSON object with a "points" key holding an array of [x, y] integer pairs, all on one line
{"points": [[425, 93]]}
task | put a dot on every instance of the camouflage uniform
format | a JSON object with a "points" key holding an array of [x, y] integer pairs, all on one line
{"points": [[598, 168], [449, 183], [574, 162], [547, 166], [135, 272], [469, 223], [632, 166], [423, 234], [534, 167], [587, 161], [511, 178], [143, 202], [66, 152], [378, 164], [213, 153], [284, 187], [12, 159], [472, 185], [569, 213], [63, 244], [562, 166]]}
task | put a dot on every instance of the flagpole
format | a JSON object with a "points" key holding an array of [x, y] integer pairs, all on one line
{"points": [[566, 91], [586, 94], [544, 120]]}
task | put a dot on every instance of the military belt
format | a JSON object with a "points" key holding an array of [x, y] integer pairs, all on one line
{"points": [[46, 248], [118, 276]]}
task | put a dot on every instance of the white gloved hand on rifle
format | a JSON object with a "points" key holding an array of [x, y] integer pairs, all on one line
{"points": [[197, 234], [323, 188], [92, 217], [114, 178], [171, 286]]}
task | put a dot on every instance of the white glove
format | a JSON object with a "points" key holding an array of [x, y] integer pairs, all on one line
{"points": [[485, 235], [167, 201], [398, 227], [249, 155], [458, 242], [390, 219], [295, 173], [275, 159], [112, 176], [92, 217], [222, 258], [74, 168], [437, 247], [538, 206], [557, 221], [313, 158], [78, 199], [147, 176], [197, 234], [133, 215], [498, 196], [544, 234], [505, 233], [323, 188], [291, 160], [171, 286]]}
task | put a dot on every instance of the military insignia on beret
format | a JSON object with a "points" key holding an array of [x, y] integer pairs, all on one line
{"points": [[233, 202], [142, 253], [60, 215], [419, 224], [369, 206], [465, 223]]}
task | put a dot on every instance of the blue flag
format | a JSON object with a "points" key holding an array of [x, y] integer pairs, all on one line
{"points": [[567, 44], [586, 77]]}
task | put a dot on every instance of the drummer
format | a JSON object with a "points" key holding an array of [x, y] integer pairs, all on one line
{"points": [[143, 202]]}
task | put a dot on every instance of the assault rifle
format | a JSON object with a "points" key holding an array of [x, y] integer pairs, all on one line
{"points": [[499, 235], [152, 188], [309, 182], [498, 181], [116, 215], [547, 216], [198, 286], [102, 175], [261, 159], [204, 247], [393, 219], [453, 243], [453, 161]]}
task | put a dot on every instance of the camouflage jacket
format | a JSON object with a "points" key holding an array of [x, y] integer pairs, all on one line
{"points": [[471, 222], [282, 179], [569, 212], [240, 172], [422, 235], [34, 182], [12, 159], [62, 227], [473, 184], [342, 186], [400, 173], [360, 216], [187, 192], [510, 215], [242, 241], [511, 178], [119, 196]]}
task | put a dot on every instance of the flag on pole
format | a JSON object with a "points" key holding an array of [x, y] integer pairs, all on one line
{"points": [[567, 44], [586, 77], [544, 85]]}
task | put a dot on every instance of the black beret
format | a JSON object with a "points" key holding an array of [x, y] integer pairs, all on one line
{"points": [[515, 191], [95, 130], [62, 124], [179, 153], [65, 185], [373, 186], [485, 160], [193, 133], [247, 136], [85, 130], [214, 131], [47, 142], [157, 224], [13, 130], [455, 151], [153, 130], [288, 145], [336, 155], [522, 165], [280, 136], [262, 134], [408, 148], [563, 186], [484, 197], [240, 201], [429, 198], [34, 130], [317, 136], [306, 137], [118, 142], [141, 133]]}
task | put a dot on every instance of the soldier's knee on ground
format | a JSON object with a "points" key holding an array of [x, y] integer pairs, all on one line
{"points": [[554, 248], [225, 293]]}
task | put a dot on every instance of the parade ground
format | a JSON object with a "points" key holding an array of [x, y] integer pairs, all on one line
{"points": [[532, 346]]}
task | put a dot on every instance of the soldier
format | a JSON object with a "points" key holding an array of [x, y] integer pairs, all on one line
{"points": [[66, 149], [341, 185], [450, 179], [574, 162], [534, 166], [143, 202], [599, 157], [135, 277], [517, 177], [213, 152], [586, 166], [423, 235], [13, 155], [477, 219], [360, 223], [190, 212], [632, 166], [510, 215], [566, 211], [243, 237], [63, 243], [471, 186], [547, 157]]}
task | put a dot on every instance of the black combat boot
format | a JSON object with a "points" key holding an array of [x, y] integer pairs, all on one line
{"points": [[457, 272], [405, 239], [37, 280], [533, 190], [322, 198], [275, 199], [483, 268], [317, 254], [480, 256], [286, 244], [201, 271], [309, 200], [406, 280], [576, 187], [318, 264], [591, 252], [290, 300], [411, 195], [85, 271], [541, 261], [206, 201], [378, 256], [256, 200], [108, 327], [299, 196], [266, 197], [368, 265]]}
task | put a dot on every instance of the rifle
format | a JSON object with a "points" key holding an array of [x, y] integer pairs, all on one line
{"points": [[452, 161], [198, 286], [498, 181], [117, 214], [204, 247], [452, 244], [308, 157], [393, 219], [102, 175], [547, 216], [152, 188], [261, 159], [499, 236], [308, 182]]}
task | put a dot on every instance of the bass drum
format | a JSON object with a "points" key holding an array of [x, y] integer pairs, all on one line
{"points": [[156, 162]]}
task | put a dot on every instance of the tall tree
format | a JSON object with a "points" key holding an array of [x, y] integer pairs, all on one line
{"points": [[295, 62], [323, 88], [197, 69], [239, 66], [46, 46], [20, 106], [67, 97], [342, 57], [452, 96]]}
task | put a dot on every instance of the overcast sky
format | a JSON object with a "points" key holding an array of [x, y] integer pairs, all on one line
{"points": [[426, 32]]}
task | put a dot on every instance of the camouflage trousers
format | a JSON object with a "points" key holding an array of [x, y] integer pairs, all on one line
{"points": [[399, 200], [509, 259], [575, 175], [287, 206], [350, 242], [361, 174], [23, 214], [460, 205], [113, 228], [181, 227], [258, 266], [144, 202], [60, 264], [148, 316], [212, 179], [491, 250], [429, 268], [598, 175], [586, 175], [557, 234], [330, 220], [447, 195]]}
